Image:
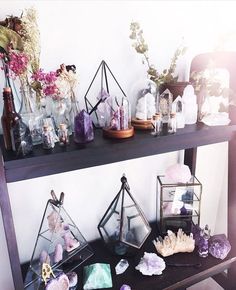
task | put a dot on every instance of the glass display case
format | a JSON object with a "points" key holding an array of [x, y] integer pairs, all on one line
{"points": [[178, 204]]}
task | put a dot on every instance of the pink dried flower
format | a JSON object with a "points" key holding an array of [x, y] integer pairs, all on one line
{"points": [[38, 76], [18, 62]]}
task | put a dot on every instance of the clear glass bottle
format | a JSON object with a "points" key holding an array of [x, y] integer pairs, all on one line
{"points": [[172, 124], [63, 135], [157, 125], [48, 138]]}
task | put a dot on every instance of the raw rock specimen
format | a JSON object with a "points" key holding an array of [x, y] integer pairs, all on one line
{"points": [[73, 279], [178, 173], [219, 246], [54, 222], [151, 264], [59, 283], [70, 242], [125, 287], [172, 243]]}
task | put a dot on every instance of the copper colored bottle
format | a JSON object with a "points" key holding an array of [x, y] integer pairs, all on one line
{"points": [[9, 117], [16, 133]]}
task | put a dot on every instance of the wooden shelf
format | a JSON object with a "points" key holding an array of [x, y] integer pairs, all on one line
{"points": [[104, 151], [172, 277]]}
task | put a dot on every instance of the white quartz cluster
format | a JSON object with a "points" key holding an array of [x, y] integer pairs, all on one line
{"points": [[174, 243], [145, 107], [151, 264]]}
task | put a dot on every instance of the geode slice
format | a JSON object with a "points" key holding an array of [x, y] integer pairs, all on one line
{"points": [[219, 246]]}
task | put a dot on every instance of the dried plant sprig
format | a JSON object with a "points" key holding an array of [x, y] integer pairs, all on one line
{"points": [[141, 47], [31, 37]]}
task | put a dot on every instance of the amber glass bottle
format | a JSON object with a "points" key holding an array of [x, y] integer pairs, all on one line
{"points": [[15, 132], [10, 117]]}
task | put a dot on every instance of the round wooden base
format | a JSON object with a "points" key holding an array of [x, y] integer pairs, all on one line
{"points": [[118, 134], [142, 124]]}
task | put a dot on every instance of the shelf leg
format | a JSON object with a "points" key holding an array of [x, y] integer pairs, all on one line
{"points": [[190, 157], [9, 230], [232, 203]]}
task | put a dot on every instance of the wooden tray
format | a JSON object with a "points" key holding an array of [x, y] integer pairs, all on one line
{"points": [[141, 124], [118, 134]]}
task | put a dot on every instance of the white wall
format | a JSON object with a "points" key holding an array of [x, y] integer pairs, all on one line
{"points": [[84, 33]]}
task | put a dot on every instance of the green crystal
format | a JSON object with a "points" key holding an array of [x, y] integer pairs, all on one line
{"points": [[97, 276]]}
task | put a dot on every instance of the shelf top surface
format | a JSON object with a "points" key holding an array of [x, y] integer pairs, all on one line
{"points": [[104, 151], [192, 270]]}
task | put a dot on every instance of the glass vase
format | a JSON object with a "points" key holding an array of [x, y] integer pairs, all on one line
{"points": [[31, 116], [60, 113]]}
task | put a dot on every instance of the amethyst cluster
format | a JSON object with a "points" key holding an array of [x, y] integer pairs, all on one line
{"points": [[219, 246]]}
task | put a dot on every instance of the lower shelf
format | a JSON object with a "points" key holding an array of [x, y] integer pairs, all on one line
{"points": [[173, 277]]}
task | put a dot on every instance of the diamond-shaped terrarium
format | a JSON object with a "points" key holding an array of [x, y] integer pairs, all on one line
{"points": [[124, 228], [59, 243]]}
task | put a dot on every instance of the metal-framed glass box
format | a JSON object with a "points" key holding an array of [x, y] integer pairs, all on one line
{"points": [[178, 204]]}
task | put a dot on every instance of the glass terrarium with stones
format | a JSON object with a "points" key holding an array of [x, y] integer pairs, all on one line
{"points": [[59, 244], [124, 228], [178, 204]]}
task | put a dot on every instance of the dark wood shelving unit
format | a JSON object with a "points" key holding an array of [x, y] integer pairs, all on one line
{"points": [[104, 151]]}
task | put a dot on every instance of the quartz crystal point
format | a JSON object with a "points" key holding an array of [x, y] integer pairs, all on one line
{"points": [[121, 266], [58, 253], [219, 246], [172, 243], [83, 131], [151, 264]]}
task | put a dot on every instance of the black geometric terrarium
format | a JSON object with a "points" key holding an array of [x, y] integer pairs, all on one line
{"points": [[108, 105], [59, 244], [124, 228]]}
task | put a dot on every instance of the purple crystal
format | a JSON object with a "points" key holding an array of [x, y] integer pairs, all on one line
{"points": [[203, 246], [196, 230], [183, 210], [219, 246], [83, 128], [125, 287]]}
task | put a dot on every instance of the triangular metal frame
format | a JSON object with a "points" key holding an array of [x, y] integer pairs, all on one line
{"points": [[104, 69]]}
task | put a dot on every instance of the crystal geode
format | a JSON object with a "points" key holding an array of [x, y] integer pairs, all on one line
{"points": [[151, 264], [219, 246]]}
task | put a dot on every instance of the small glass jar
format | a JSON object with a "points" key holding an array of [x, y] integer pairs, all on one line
{"points": [[63, 135], [47, 137], [157, 125], [172, 124]]}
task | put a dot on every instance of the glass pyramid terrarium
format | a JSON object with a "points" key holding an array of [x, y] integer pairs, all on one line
{"points": [[124, 228], [108, 105], [59, 243]]}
